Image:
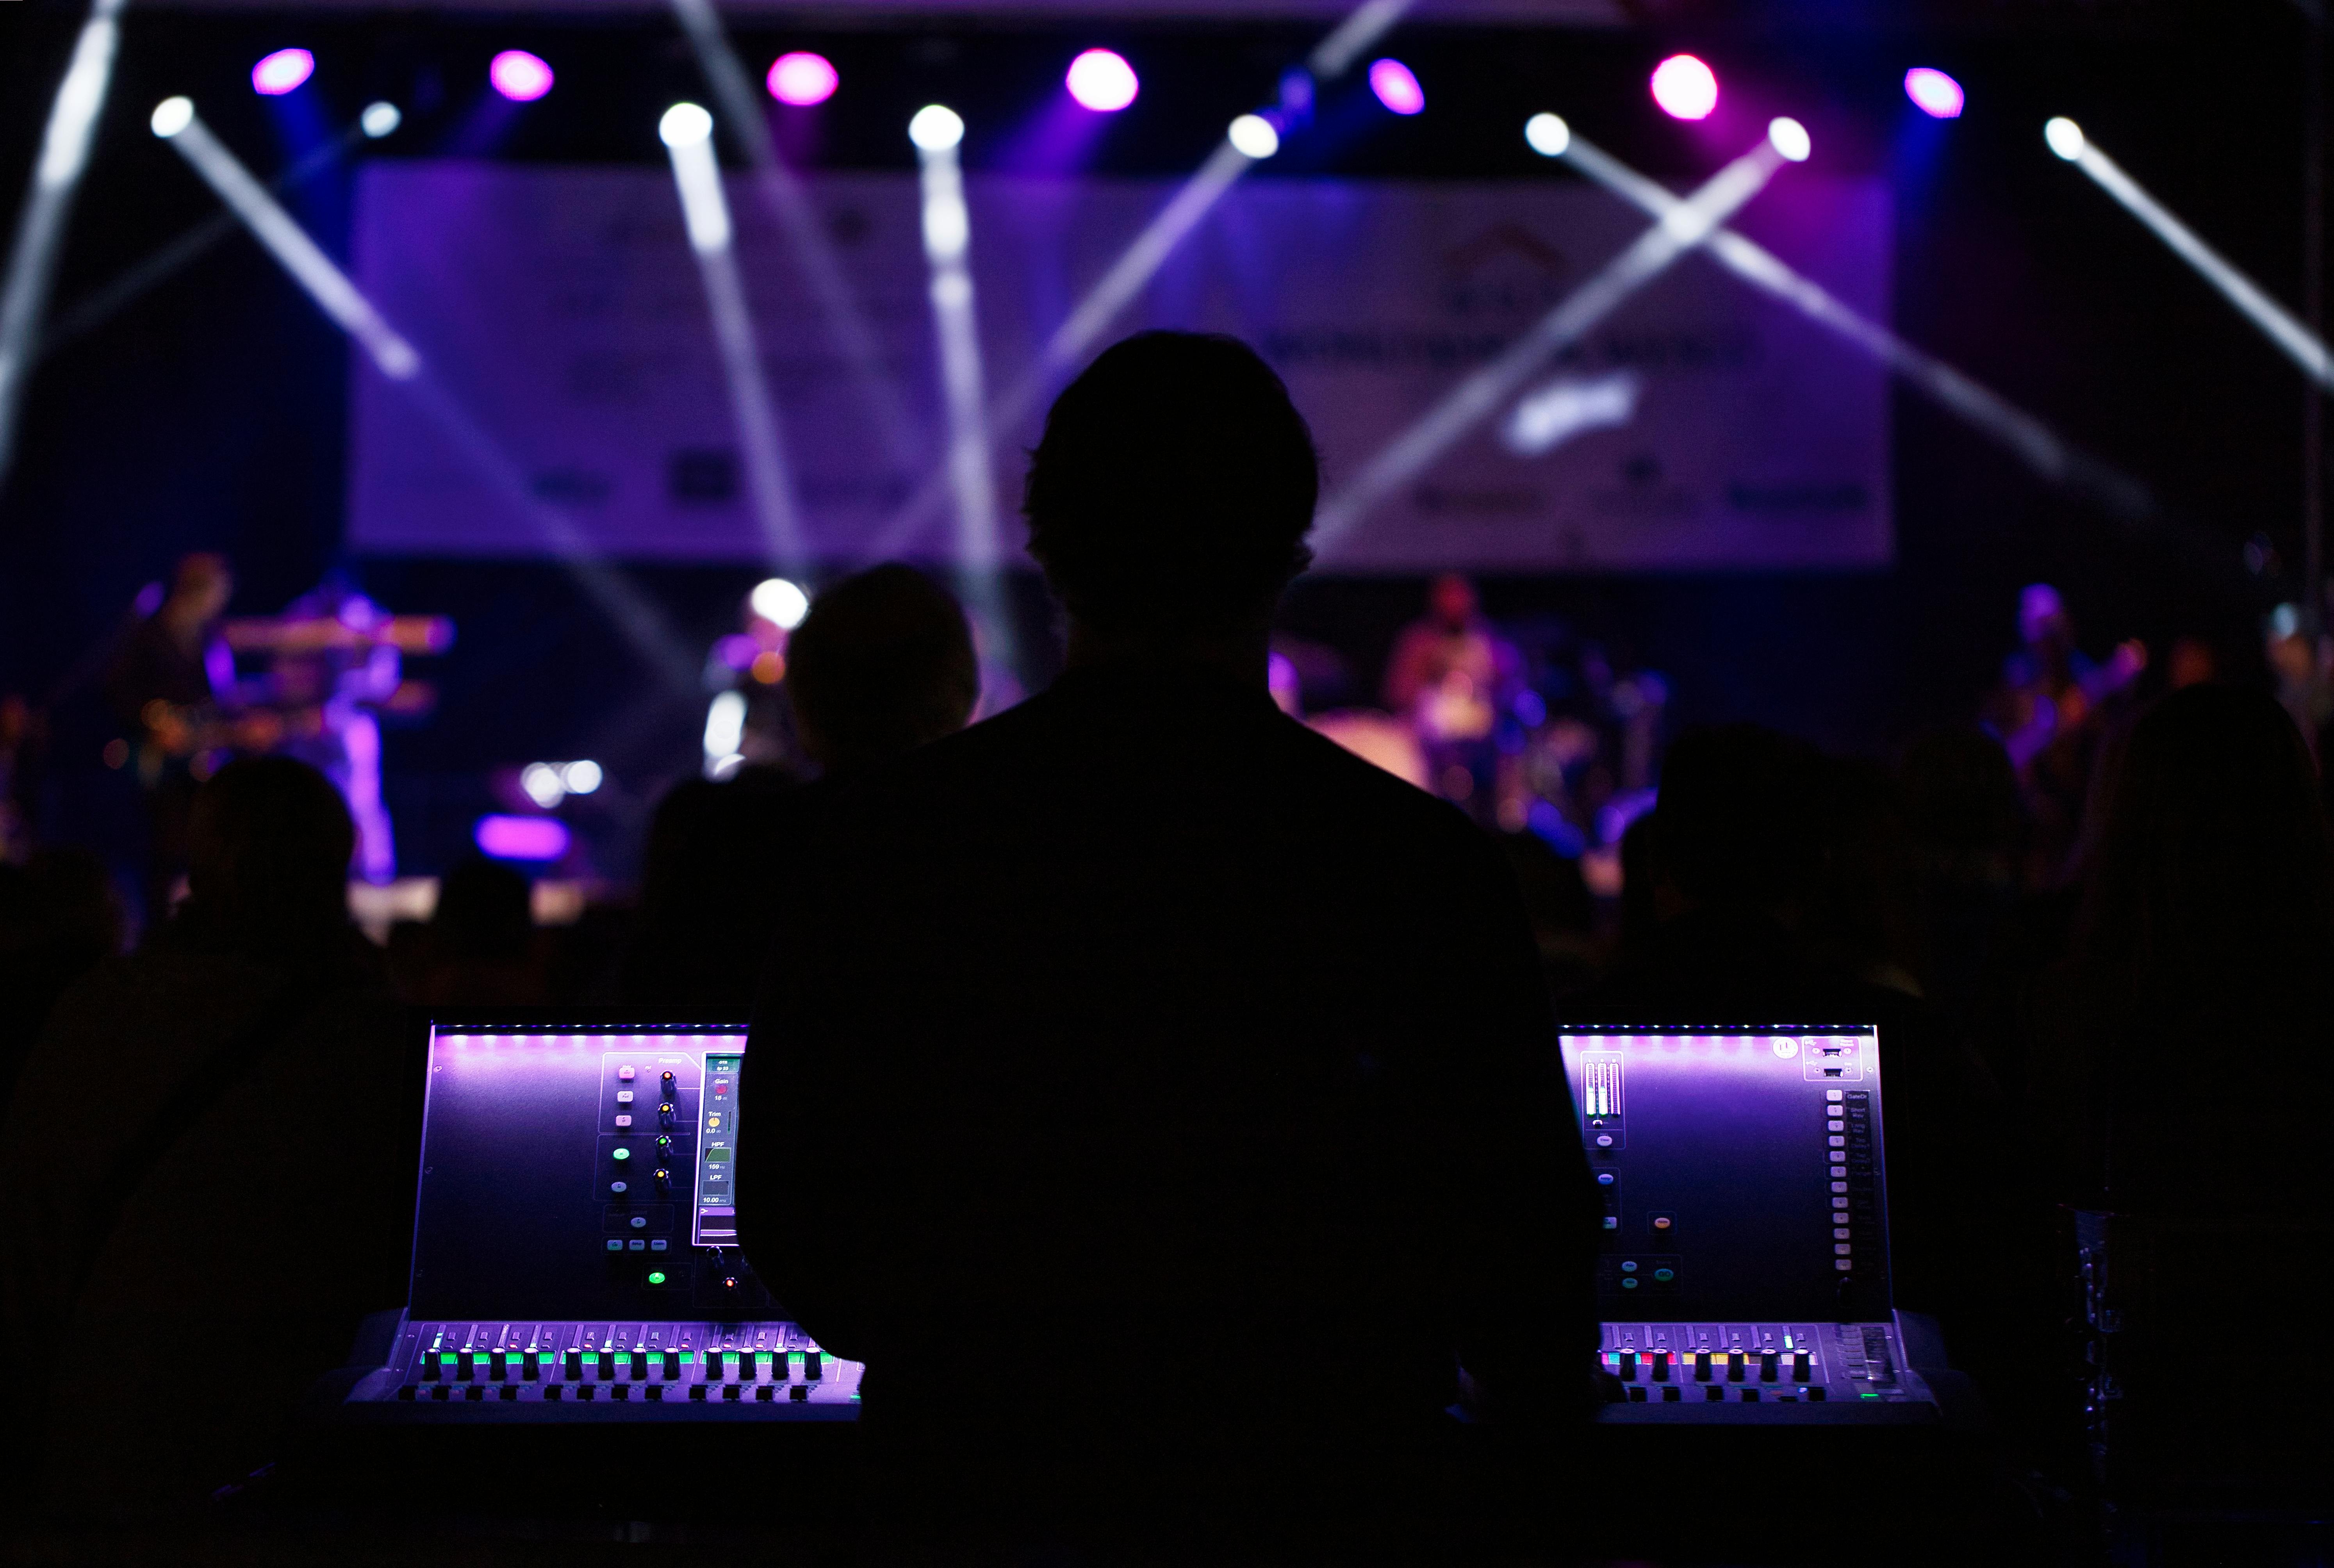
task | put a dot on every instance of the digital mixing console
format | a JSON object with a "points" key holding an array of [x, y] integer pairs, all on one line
{"points": [[574, 1244], [1743, 1276]]}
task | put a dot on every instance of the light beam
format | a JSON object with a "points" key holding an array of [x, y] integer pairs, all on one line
{"points": [[41, 225], [2297, 342], [2033, 442], [688, 134], [1481, 394], [782, 194]]}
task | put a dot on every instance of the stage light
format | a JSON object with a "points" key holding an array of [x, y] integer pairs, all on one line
{"points": [[802, 79], [521, 838], [582, 778], [379, 119], [1254, 137], [1548, 135], [1396, 88], [40, 223], [278, 73], [2034, 442], [1790, 139], [1935, 93], [779, 603], [1685, 88], [543, 784], [1100, 80], [519, 76], [171, 116], [1570, 406], [725, 733], [936, 127], [2304, 346], [684, 125]]}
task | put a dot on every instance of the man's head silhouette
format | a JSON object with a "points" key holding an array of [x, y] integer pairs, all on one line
{"points": [[1174, 489]]}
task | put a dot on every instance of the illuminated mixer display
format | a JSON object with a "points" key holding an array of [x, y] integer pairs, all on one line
{"points": [[574, 1247]]}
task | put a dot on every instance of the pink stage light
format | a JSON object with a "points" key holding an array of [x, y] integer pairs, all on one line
{"points": [[278, 73], [519, 76], [803, 79], [1935, 93], [1685, 88], [521, 838], [1101, 80], [1396, 88]]}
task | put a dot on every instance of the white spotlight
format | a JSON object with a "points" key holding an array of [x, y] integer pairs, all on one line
{"points": [[779, 603], [2065, 137], [171, 116], [543, 784], [1254, 137], [582, 778], [684, 125], [1548, 135], [379, 119], [936, 127], [1790, 139], [725, 729]]}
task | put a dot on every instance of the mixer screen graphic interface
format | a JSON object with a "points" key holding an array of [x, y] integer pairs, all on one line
{"points": [[1739, 1171]]}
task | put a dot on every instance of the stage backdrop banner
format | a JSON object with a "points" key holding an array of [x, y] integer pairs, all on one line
{"points": [[573, 397]]}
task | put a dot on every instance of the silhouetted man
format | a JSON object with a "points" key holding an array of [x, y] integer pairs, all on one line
{"points": [[1158, 1099]]}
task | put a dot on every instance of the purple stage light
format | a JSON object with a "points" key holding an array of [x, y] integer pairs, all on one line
{"points": [[803, 79], [519, 76], [1935, 93], [1101, 80], [278, 73], [1396, 88], [1685, 88], [521, 838]]}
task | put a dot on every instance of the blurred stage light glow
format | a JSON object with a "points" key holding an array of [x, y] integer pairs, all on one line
{"points": [[2034, 442], [40, 223], [687, 131], [2305, 348], [1100, 80], [1685, 88], [1396, 87], [519, 76], [1790, 139], [379, 119], [936, 127], [583, 777], [1254, 138], [505, 838], [543, 784], [802, 79], [779, 603], [175, 120], [1548, 135], [278, 73], [1935, 93], [725, 733]]}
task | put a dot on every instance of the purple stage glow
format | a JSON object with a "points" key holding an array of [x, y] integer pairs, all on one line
{"points": [[519, 76], [803, 79], [1935, 93], [1396, 88], [1685, 88], [278, 73], [521, 838], [1101, 80]]}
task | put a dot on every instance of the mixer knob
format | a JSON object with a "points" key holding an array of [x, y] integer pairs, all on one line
{"points": [[571, 1366], [663, 1144], [533, 1368], [1625, 1366], [607, 1366], [1701, 1366], [663, 1180], [668, 1084], [1770, 1366], [1661, 1366], [1801, 1365], [664, 1114], [465, 1366], [639, 1366]]}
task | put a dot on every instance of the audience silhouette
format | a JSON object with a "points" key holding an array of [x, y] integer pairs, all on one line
{"points": [[882, 664], [206, 1163], [1138, 1044]]}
